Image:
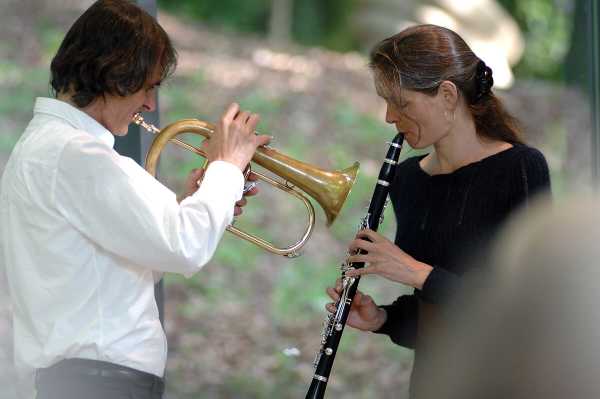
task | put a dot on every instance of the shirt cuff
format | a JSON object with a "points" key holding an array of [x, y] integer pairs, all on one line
{"points": [[439, 286], [223, 177]]}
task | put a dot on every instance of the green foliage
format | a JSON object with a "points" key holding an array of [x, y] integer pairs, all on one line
{"points": [[365, 128], [7, 143], [20, 85], [314, 22], [300, 289], [239, 254], [324, 23], [282, 379], [50, 38], [267, 107], [234, 15], [547, 27]]}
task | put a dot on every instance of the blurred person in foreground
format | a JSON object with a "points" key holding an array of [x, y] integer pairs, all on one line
{"points": [[449, 202], [85, 232], [529, 329]]}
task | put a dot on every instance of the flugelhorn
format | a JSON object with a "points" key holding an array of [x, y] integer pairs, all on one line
{"points": [[329, 188]]}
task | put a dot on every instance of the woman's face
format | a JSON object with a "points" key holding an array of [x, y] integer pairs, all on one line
{"points": [[419, 116]]}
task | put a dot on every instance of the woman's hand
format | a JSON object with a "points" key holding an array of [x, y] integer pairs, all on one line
{"points": [[385, 259], [364, 314]]}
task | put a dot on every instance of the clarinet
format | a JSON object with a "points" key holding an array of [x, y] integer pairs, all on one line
{"points": [[335, 323]]}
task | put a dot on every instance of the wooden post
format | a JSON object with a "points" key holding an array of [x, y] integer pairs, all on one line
{"points": [[595, 89]]}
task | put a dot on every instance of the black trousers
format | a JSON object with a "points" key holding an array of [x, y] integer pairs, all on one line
{"points": [[91, 379]]}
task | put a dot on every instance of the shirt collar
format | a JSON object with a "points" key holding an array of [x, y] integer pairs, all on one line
{"points": [[75, 117]]}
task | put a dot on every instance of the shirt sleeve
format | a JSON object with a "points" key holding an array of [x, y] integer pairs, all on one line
{"points": [[121, 208], [401, 322]]}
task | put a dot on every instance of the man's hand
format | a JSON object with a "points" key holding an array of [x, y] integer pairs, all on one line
{"points": [[234, 140], [192, 182], [194, 179]]}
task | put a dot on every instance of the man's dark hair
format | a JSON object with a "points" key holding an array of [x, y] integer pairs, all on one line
{"points": [[114, 48]]}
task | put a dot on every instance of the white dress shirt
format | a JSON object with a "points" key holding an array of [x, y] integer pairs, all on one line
{"points": [[82, 231]]}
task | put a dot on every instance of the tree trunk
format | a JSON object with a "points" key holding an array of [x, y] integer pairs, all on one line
{"points": [[280, 25]]}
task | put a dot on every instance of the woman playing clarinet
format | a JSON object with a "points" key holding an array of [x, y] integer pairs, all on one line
{"points": [[448, 203]]}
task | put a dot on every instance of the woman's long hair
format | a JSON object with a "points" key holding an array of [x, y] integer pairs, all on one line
{"points": [[421, 57]]}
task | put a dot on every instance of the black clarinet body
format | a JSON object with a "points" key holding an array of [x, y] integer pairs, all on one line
{"points": [[335, 323]]}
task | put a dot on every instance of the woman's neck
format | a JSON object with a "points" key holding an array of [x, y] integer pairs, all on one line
{"points": [[460, 147]]}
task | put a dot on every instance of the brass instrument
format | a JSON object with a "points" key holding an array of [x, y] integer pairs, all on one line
{"points": [[329, 188]]}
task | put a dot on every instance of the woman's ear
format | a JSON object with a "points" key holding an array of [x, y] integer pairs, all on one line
{"points": [[448, 93]]}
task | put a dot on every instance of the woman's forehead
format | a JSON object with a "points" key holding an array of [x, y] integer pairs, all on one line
{"points": [[392, 92]]}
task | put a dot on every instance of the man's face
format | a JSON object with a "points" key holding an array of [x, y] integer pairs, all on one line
{"points": [[117, 112]]}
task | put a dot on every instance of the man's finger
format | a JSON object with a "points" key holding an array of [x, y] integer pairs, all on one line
{"points": [[231, 112], [242, 117], [262, 139], [253, 120]]}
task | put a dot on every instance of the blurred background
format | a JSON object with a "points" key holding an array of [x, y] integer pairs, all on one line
{"points": [[248, 325]]}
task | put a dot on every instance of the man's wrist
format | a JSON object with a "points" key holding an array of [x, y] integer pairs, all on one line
{"points": [[235, 162]]}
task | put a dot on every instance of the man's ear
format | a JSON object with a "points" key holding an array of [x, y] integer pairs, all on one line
{"points": [[448, 93]]}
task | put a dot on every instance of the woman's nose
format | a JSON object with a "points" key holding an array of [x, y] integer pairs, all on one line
{"points": [[390, 117]]}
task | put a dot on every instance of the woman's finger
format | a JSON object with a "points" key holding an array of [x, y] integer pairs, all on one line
{"points": [[333, 294], [360, 258], [360, 244], [330, 307], [338, 285], [370, 235], [362, 271]]}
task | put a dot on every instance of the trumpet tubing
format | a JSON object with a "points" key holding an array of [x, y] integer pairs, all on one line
{"points": [[329, 188]]}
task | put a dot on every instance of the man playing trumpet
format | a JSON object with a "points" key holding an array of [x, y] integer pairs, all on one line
{"points": [[85, 230]]}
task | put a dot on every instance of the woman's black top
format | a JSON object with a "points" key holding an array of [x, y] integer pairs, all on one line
{"points": [[443, 220]]}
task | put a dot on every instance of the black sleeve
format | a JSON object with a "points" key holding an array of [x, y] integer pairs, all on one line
{"points": [[531, 179], [401, 323], [439, 286]]}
